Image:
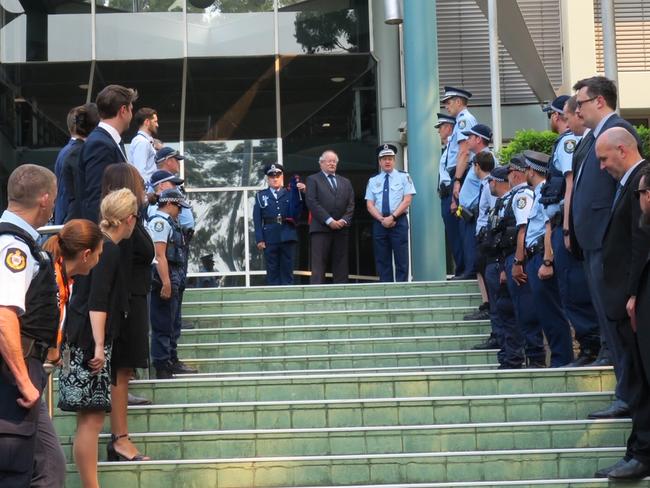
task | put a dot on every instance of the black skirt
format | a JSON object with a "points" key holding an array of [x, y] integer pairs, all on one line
{"points": [[131, 347]]}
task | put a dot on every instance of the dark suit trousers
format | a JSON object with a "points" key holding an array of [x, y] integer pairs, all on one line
{"points": [[638, 444], [594, 271], [325, 245]]}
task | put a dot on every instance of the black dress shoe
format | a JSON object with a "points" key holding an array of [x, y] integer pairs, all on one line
{"points": [[164, 373], [582, 360], [490, 343], [604, 472], [509, 366], [615, 411], [187, 325], [602, 362], [179, 367], [136, 400], [632, 470], [478, 315]]}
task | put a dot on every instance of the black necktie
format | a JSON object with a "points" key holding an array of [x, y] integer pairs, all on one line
{"points": [[332, 181], [385, 204]]}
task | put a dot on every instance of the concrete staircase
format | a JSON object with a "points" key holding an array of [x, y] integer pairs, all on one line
{"points": [[358, 386]]}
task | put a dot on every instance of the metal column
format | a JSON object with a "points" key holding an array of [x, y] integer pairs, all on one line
{"points": [[608, 19], [495, 77], [422, 103]]}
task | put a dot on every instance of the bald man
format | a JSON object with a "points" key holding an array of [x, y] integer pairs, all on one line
{"points": [[625, 252]]}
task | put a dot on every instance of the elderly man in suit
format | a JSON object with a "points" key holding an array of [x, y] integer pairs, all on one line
{"points": [[625, 251], [591, 204], [330, 199], [104, 145]]}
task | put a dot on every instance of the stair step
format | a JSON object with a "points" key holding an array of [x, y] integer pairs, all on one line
{"points": [[333, 331], [330, 346], [338, 303], [420, 467], [363, 412], [329, 316], [330, 291], [375, 440]]}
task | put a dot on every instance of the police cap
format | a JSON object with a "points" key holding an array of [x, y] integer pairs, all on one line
{"points": [[273, 169], [166, 153], [444, 119], [499, 174], [386, 150], [451, 92], [517, 163], [481, 130], [173, 195], [161, 176], [556, 105], [537, 161]]}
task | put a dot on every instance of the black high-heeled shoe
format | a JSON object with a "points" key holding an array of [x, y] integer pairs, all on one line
{"points": [[112, 454]]}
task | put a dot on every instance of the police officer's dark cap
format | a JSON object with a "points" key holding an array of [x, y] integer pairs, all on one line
{"points": [[481, 130], [173, 195], [451, 92], [273, 169], [386, 150], [161, 176], [517, 162], [537, 160], [499, 174], [166, 153], [444, 119], [557, 105]]}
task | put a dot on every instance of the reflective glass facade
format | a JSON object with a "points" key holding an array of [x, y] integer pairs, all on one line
{"points": [[237, 84]]}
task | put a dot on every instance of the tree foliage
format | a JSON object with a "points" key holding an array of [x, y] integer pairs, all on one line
{"points": [[327, 31]]}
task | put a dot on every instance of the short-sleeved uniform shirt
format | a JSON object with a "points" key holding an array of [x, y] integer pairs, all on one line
{"points": [[18, 266], [464, 120], [399, 184], [485, 204], [563, 155], [185, 218], [443, 174], [159, 228], [522, 203], [537, 218], [469, 192]]}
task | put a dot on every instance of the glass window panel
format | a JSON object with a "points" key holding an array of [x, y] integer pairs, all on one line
{"points": [[44, 31], [230, 28], [214, 164], [219, 230], [139, 29], [256, 259], [159, 85], [230, 98], [315, 26]]}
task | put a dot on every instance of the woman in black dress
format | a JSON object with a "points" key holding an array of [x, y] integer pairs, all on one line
{"points": [[97, 306], [131, 346]]}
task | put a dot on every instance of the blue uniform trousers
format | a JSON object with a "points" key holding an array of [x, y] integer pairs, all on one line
{"points": [[502, 319], [524, 304], [389, 243], [279, 263], [165, 330], [452, 230], [575, 296], [468, 238], [593, 265], [550, 313]]}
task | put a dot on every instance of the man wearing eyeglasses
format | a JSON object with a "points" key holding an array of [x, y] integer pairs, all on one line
{"points": [[591, 204], [625, 252]]}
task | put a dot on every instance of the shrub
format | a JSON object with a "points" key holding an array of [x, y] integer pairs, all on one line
{"points": [[528, 139]]}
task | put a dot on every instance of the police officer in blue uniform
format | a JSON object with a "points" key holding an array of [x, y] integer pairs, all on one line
{"points": [[511, 243], [388, 197], [455, 102], [445, 126], [275, 216], [168, 274], [508, 335], [30, 454], [539, 267], [569, 272]]}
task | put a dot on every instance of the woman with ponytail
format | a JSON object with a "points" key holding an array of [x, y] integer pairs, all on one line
{"points": [[97, 308]]}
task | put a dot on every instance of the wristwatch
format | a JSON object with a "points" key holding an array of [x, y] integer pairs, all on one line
{"points": [[548, 263], [393, 215], [459, 180], [518, 262]]}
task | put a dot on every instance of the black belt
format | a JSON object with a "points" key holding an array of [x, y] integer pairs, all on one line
{"points": [[33, 348], [274, 220], [535, 249], [557, 219]]}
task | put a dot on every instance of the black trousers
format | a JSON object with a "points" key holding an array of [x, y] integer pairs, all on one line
{"points": [[326, 246], [638, 444]]}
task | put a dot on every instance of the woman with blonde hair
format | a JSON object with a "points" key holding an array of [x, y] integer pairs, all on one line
{"points": [[97, 307]]}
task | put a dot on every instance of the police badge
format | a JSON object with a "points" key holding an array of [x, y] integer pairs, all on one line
{"points": [[521, 203], [158, 226], [570, 145], [462, 124]]}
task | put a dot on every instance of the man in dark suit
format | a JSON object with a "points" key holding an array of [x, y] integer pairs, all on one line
{"points": [[104, 145], [330, 199], [624, 252], [591, 204]]}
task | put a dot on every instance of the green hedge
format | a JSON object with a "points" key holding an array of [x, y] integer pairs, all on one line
{"points": [[542, 141]]}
